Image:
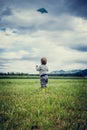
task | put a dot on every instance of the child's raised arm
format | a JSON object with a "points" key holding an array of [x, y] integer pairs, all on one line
{"points": [[37, 68]]}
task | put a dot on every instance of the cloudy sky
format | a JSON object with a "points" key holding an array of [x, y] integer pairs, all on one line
{"points": [[26, 35]]}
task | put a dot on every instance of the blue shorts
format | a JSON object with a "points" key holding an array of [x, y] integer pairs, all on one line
{"points": [[43, 80]]}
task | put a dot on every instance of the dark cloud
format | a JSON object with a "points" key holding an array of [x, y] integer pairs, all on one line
{"points": [[20, 4], [7, 12], [55, 7], [81, 61], [77, 7], [3, 63], [8, 60], [82, 48], [27, 29]]}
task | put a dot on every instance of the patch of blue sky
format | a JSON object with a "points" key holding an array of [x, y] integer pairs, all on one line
{"points": [[2, 50], [3, 29]]}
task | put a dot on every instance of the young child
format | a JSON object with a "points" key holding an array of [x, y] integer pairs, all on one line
{"points": [[43, 69]]}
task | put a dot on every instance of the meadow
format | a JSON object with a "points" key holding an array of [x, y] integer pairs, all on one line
{"points": [[61, 106]]}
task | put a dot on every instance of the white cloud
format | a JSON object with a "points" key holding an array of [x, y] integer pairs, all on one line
{"points": [[14, 55], [20, 66], [52, 37]]}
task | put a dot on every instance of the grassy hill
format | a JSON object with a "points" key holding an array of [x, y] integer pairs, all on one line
{"points": [[61, 106]]}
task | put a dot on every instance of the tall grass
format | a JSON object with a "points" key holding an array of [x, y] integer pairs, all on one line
{"points": [[61, 106]]}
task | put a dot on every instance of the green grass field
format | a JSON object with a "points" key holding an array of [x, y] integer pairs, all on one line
{"points": [[61, 106]]}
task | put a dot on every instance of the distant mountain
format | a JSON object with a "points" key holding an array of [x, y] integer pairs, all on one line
{"points": [[75, 72], [82, 73], [65, 72]]}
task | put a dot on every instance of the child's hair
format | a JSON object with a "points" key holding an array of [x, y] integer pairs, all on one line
{"points": [[43, 61]]}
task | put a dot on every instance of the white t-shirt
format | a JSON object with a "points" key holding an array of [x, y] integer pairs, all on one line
{"points": [[43, 69]]}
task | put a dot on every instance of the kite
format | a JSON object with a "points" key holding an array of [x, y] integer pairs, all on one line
{"points": [[42, 10]]}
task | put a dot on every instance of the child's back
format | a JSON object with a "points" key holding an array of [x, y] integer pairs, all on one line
{"points": [[43, 69]]}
